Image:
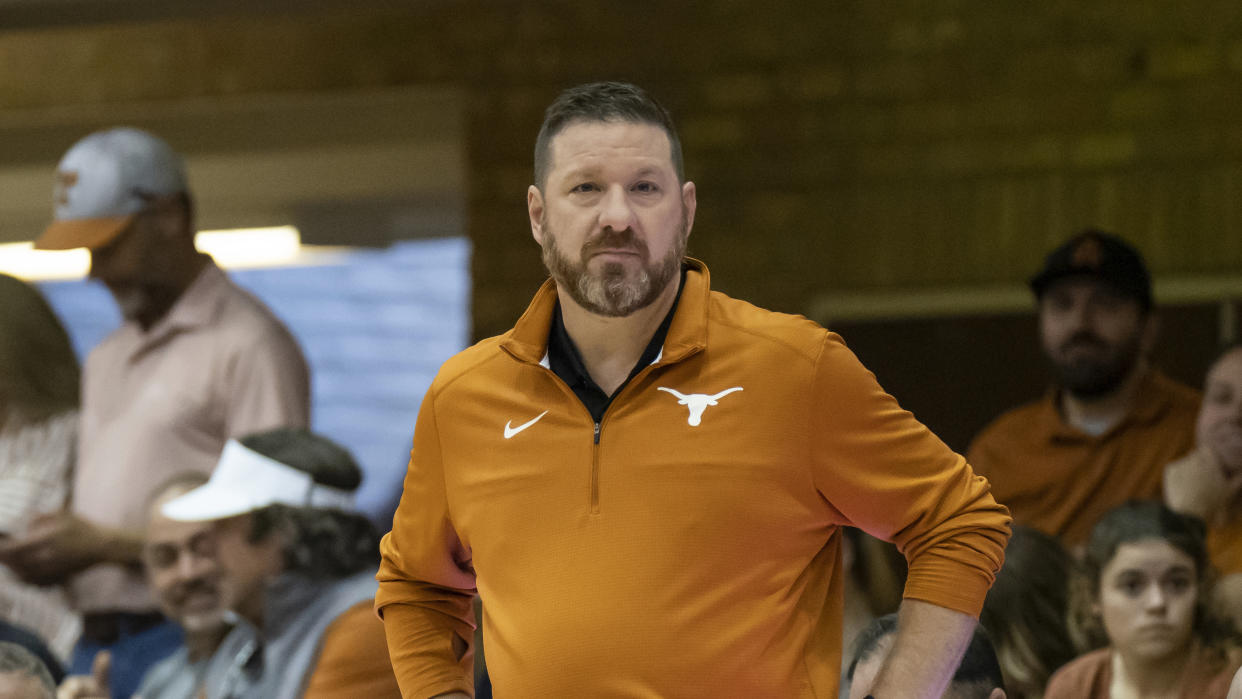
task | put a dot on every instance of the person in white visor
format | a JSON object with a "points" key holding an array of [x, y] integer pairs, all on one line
{"points": [[298, 569]]}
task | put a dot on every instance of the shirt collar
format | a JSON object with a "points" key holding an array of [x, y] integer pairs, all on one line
{"points": [[196, 307]]}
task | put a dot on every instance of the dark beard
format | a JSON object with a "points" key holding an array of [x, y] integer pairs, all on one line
{"points": [[1097, 378], [611, 293]]}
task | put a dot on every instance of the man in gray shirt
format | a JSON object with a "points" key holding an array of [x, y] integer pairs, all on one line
{"points": [[184, 572]]}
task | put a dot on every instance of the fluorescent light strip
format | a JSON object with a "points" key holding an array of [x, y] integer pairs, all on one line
{"points": [[240, 248], [23, 261], [251, 247]]}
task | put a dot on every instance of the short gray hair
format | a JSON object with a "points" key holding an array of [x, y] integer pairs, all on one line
{"points": [[16, 659]]}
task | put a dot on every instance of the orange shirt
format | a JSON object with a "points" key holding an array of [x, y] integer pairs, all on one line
{"points": [[1224, 544], [1090, 676], [1057, 479], [353, 662], [687, 545]]}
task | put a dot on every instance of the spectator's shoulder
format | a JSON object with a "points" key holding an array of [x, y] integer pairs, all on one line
{"points": [[1081, 678], [1015, 418], [353, 658], [1012, 425], [250, 316], [113, 344], [1182, 398]]}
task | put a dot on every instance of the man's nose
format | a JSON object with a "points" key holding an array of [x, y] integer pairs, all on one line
{"points": [[188, 565], [1082, 316], [615, 209]]}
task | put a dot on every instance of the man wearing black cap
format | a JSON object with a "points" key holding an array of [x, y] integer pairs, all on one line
{"points": [[1103, 434]]}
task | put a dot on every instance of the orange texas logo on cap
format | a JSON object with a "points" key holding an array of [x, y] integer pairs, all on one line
{"points": [[65, 179], [1087, 254]]}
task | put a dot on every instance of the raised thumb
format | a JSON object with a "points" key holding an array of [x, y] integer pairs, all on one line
{"points": [[101, 668]]}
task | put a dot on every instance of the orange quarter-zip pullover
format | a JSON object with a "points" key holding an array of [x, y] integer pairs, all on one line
{"points": [[687, 545]]}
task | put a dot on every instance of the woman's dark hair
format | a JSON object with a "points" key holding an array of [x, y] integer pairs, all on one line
{"points": [[1026, 612], [1145, 520], [39, 373], [322, 542]]}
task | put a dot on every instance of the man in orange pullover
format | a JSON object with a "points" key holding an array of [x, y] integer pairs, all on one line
{"points": [[1104, 433], [645, 480]]}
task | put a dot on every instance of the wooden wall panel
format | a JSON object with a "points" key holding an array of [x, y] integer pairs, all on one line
{"points": [[842, 146]]}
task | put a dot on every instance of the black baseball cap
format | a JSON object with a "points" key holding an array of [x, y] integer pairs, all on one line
{"points": [[1100, 255]]}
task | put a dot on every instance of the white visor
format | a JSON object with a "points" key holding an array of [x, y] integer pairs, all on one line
{"points": [[245, 481]]}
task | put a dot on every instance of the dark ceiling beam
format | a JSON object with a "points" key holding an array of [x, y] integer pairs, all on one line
{"points": [[47, 14]]}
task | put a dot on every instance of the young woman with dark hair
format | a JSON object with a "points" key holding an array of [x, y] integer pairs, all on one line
{"points": [[1143, 595]]}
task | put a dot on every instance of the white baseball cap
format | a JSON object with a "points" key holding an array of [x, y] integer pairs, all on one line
{"points": [[103, 181], [245, 481]]}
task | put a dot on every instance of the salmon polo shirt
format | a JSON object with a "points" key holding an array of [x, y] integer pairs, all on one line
{"points": [[162, 401]]}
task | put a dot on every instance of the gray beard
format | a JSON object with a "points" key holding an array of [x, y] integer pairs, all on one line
{"points": [[611, 293]]}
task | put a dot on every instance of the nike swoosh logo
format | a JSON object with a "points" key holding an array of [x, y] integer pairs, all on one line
{"points": [[510, 431]]}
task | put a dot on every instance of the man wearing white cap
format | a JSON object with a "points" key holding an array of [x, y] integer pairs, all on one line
{"points": [[298, 566], [197, 361]]}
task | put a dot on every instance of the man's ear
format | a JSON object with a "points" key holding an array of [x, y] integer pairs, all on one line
{"points": [[690, 202], [534, 208], [997, 693]]}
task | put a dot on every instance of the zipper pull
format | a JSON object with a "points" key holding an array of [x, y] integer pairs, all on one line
{"points": [[597, 433]]}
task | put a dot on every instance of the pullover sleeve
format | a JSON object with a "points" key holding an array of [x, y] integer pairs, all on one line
{"points": [[426, 583], [887, 474]]}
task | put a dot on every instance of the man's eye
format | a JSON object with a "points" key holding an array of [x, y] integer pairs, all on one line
{"points": [[203, 544], [1108, 302], [645, 187], [1060, 302], [161, 556], [584, 187]]}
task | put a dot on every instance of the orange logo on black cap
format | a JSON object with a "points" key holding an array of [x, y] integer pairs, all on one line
{"points": [[1087, 253], [64, 180]]}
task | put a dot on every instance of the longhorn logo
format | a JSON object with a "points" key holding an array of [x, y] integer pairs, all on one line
{"points": [[698, 402]]}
